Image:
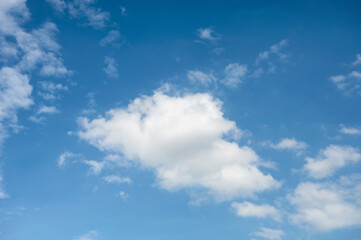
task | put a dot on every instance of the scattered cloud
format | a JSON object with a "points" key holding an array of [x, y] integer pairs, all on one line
{"points": [[351, 82], [267, 61], [111, 68], [92, 235], [116, 179], [358, 60], [201, 77], [123, 10], [122, 195], [3, 195], [57, 5], [47, 110], [95, 166], [330, 160], [247, 209], [350, 130], [327, 206], [112, 38], [289, 144], [95, 17], [207, 34], [50, 90], [64, 158], [15, 94], [268, 233], [182, 140], [234, 74]]}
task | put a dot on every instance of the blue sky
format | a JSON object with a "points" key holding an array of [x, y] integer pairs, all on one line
{"points": [[180, 120]]}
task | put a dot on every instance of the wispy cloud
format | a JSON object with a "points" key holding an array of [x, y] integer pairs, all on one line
{"points": [[200, 77], [116, 179], [111, 68], [113, 38], [91, 235], [207, 34], [234, 74], [268, 233]]}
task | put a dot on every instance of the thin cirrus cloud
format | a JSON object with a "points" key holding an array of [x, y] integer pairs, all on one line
{"points": [[327, 206], [182, 140], [330, 159], [3, 194], [247, 209]]}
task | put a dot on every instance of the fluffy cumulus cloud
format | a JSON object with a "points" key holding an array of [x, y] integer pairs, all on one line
{"points": [[185, 140], [268, 233], [330, 160], [234, 74], [111, 68], [200, 77], [327, 206], [288, 144], [247, 209]]}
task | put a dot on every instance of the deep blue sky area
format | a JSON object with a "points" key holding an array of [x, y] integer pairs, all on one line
{"points": [[180, 120]]}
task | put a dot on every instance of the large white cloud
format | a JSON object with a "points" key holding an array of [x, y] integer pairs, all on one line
{"points": [[331, 159], [327, 206], [183, 139]]}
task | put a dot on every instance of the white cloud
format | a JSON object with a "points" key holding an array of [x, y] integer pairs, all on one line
{"points": [[290, 144], [111, 68], [63, 159], [358, 60], [50, 90], [350, 130], [200, 77], [3, 195], [122, 195], [271, 57], [207, 34], [268, 233], [47, 110], [95, 166], [112, 38], [349, 83], [123, 11], [15, 94], [116, 179], [330, 160], [234, 74], [58, 5], [182, 140], [95, 17], [88, 236], [247, 209], [327, 206]]}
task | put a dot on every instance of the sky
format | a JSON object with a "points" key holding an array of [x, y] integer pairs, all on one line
{"points": [[180, 120]]}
